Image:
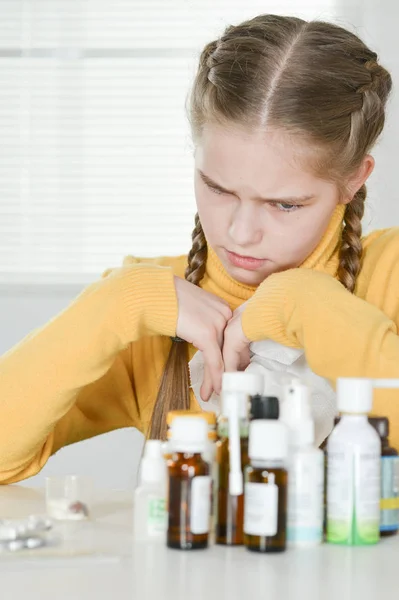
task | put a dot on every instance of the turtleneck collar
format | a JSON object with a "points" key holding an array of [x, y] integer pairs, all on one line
{"points": [[324, 258]]}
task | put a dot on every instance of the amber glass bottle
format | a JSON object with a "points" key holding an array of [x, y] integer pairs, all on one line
{"points": [[189, 485], [266, 482]]}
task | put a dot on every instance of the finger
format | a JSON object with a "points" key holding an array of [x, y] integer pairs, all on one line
{"points": [[206, 387], [214, 360], [231, 358]]}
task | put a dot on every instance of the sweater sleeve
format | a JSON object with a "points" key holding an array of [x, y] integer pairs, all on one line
{"points": [[342, 335], [48, 379]]}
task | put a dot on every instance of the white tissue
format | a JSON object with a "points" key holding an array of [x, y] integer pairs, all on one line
{"points": [[279, 365]]}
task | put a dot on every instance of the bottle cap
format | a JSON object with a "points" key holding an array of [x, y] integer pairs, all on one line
{"points": [[354, 395], [210, 417], [189, 434], [381, 425], [264, 407], [268, 440], [153, 466], [241, 381]]}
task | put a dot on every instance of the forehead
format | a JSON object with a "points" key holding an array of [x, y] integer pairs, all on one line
{"points": [[268, 160]]}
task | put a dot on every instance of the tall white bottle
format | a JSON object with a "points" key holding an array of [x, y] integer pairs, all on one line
{"points": [[149, 506], [353, 469], [305, 469]]}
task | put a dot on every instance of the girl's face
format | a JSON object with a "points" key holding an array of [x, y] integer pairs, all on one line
{"points": [[260, 210]]}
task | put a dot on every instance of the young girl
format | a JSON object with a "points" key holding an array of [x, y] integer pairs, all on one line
{"points": [[284, 114]]}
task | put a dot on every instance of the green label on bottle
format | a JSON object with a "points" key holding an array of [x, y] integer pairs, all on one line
{"points": [[157, 515]]}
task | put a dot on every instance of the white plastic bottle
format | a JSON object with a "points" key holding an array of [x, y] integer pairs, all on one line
{"points": [[305, 469], [353, 471], [149, 507]]}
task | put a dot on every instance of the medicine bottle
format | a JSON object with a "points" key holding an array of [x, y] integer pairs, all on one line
{"points": [[189, 485]]}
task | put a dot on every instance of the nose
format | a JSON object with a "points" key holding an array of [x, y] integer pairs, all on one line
{"points": [[245, 226]]}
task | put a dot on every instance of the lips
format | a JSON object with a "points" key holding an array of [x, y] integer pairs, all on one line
{"points": [[249, 263]]}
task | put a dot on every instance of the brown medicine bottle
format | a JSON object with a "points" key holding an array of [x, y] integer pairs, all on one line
{"points": [[189, 485], [266, 482]]}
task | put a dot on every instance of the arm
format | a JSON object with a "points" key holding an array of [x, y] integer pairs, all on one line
{"points": [[68, 372], [342, 335]]}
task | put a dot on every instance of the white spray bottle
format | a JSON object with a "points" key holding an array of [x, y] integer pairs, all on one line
{"points": [[354, 464], [305, 469], [149, 507]]}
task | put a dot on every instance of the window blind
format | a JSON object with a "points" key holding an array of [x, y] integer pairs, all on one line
{"points": [[95, 154]]}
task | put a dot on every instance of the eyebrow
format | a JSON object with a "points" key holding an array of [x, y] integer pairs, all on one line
{"points": [[288, 199]]}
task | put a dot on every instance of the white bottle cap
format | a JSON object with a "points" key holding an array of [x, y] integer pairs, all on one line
{"points": [[189, 434], [241, 381], [153, 466], [268, 440], [354, 395], [295, 412]]}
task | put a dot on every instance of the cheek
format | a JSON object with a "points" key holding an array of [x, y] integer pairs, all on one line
{"points": [[213, 214]]}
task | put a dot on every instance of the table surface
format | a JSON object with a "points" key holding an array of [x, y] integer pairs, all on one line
{"points": [[98, 560]]}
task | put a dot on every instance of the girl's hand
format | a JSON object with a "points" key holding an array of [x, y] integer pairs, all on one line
{"points": [[202, 319], [236, 354]]}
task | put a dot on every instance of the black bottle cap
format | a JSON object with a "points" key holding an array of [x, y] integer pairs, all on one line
{"points": [[381, 425], [264, 407]]}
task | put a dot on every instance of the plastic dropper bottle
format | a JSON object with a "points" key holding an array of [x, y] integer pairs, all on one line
{"points": [[305, 469], [266, 487], [150, 515], [232, 455], [189, 495]]}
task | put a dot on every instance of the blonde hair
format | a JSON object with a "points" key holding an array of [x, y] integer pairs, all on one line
{"points": [[316, 81]]}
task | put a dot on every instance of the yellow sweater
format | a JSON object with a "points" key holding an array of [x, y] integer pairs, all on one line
{"points": [[97, 365]]}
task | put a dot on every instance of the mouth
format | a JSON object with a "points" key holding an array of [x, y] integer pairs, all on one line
{"points": [[249, 263]]}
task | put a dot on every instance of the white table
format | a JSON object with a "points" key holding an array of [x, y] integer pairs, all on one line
{"points": [[99, 562]]}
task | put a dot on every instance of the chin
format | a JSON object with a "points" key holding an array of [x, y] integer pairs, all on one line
{"points": [[252, 278]]}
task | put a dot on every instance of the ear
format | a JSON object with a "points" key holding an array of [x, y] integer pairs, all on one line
{"points": [[360, 177]]}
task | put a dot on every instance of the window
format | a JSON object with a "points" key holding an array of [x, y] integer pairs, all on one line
{"points": [[95, 154]]}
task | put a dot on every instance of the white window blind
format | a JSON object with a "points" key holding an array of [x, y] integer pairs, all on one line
{"points": [[95, 154]]}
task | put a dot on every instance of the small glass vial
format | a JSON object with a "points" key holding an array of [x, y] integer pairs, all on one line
{"points": [[266, 479], [189, 495], [389, 523], [150, 516]]}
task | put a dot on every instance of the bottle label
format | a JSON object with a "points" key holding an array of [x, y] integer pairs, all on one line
{"points": [[353, 495], [261, 508], [305, 498], [200, 511], [389, 493], [157, 516]]}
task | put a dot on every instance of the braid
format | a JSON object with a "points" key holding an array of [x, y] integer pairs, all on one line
{"points": [[174, 390], [351, 247], [197, 255]]}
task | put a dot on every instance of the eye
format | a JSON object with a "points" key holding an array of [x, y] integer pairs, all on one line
{"points": [[214, 189], [286, 207]]}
